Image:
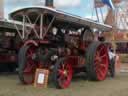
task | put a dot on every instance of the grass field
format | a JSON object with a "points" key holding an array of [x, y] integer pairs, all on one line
{"points": [[10, 86]]}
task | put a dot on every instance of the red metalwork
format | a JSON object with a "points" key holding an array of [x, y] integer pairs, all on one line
{"points": [[8, 58], [65, 73], [30, 42], [30, 66], [101, 62]]}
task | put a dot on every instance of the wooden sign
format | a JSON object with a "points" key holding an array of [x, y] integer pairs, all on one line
{"points": [[41, 78]]}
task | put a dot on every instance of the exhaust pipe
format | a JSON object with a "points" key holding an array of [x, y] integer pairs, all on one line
{"points": [[49, 3]]}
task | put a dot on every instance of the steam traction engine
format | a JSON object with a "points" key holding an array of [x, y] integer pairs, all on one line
{"points": [[61, 43]]}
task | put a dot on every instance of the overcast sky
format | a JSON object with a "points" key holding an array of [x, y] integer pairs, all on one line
{"points": [[82, 8]]}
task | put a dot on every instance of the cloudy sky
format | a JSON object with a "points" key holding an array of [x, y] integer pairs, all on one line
{"points": [[82, 8]]}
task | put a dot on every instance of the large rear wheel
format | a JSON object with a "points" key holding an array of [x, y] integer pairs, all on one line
{"points": [[27, 64], [97, 61], [62, 73]]}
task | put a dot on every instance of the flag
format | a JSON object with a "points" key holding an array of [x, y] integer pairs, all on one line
{"points": [[101, 3], [109, 3]]}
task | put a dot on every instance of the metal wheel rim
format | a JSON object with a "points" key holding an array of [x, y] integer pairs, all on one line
{"points": [[64, 75], [101, 62], [30, 66]]}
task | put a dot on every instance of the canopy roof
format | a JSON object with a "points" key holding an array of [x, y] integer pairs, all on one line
{"points": [[61, 18]]}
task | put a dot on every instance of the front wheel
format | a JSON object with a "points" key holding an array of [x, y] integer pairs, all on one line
{"points": [[62, 73]]}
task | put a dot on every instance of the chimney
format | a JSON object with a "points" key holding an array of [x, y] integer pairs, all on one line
{"points": [[49, 3]]}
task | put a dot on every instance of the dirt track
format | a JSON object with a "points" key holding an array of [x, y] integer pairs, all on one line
{"points": [[10, 86]]}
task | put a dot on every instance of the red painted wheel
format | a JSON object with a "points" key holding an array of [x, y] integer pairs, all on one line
{"points": [[27, 64], [62, 73], [97, 61]]}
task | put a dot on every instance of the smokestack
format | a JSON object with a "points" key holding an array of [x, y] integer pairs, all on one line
{"points": [[49, 3]]}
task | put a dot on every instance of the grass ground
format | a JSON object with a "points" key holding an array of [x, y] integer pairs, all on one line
{"points": [[10, 86]]}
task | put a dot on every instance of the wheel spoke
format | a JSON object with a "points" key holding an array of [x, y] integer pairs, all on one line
{"points": [[101, 48], [102, 65], [104, 55], [30, 68], [61, 72], [97, 54], [64, 74], [101, 73], [29, 54]]}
